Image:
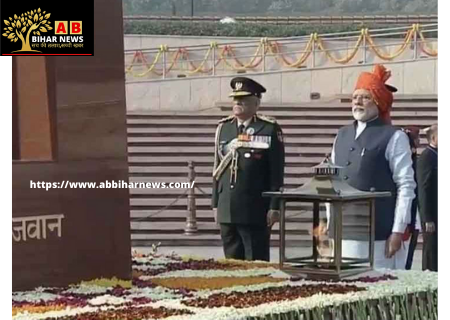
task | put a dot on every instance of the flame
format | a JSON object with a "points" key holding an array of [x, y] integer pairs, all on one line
{"points": [[320, 230], [324, 243]]}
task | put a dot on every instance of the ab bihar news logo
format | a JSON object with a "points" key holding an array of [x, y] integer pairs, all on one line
{"points": [[34, 32]]}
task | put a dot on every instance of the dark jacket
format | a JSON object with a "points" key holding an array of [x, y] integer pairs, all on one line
{"points": [[427, 178], [365, 168]]}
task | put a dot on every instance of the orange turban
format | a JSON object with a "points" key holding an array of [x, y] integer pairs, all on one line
{"points": [[381, 93]]}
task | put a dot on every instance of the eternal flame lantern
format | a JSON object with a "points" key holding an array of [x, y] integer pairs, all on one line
{"points": [[327, 187]]}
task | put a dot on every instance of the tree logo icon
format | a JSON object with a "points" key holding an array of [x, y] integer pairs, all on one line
{"points": [[21, 26]]}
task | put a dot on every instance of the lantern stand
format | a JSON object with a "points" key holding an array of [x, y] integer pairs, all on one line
{"points": [[326, 186]]}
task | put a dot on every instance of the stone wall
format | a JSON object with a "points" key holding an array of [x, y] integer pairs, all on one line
{"points": [[287, 86]]}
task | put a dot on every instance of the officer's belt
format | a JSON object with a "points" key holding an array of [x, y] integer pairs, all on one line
{"points": [[234, 145]]}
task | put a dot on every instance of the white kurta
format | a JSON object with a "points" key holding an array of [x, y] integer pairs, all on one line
{"points": [[398, 154]]}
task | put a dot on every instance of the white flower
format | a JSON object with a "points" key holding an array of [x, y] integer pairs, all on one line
{"points": [[87, 289], [216, 273], [228, 20], [159, 260], [407, 282], [54, 314], [148, 267], [158, 293], [107, 299], [31, 296]]}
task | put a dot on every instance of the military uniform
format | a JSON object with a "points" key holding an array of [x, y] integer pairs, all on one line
{"points": [[246, 165]]}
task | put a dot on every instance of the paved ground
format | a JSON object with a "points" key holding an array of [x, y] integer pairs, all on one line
{"points": [[217, 252]]}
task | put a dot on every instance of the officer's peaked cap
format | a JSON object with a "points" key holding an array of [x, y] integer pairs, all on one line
{"points": [[243, 86]]}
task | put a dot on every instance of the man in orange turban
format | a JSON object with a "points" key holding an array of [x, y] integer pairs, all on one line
{"points": [[376, 156]]}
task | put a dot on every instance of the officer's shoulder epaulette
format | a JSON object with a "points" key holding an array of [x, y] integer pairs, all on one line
{"points": [[266, 118], [229, 118]]}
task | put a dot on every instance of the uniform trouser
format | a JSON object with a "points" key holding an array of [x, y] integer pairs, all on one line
{"points": [[245, 242], [430, 251]]}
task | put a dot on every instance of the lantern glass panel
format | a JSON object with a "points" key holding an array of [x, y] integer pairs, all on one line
{"points": [[300, 225], [355, 230]]}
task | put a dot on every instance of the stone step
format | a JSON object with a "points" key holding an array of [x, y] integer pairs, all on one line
{"points": [[214, 230], [206, 216], [210, 132], [299, 213], [333, 122], [174, 217], [224, 106], [292, 227], [318, 108], [204, 205], [290, 151], [344, 113], [161, 202], [204, 170], [190, 153], [209, 141], [295, 180], [151, 207], [153, 193], [156, 203], [178, 238], [203, 184], [166, 193], [206, 160], [208, 225], [201, 177]]}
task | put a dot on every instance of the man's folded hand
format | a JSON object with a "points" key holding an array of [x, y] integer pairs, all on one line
{"points": [[273, 216], [393, 244]]}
